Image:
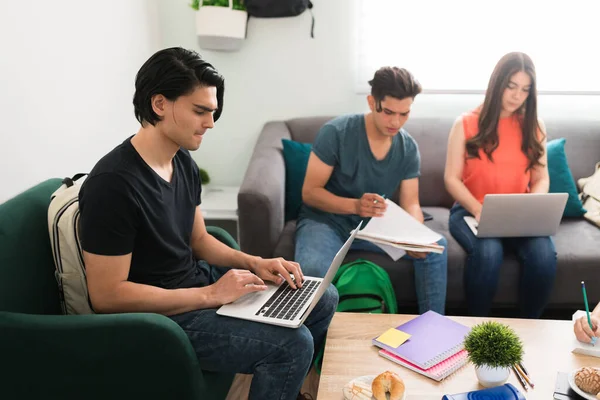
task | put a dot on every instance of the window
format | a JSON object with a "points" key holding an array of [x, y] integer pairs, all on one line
{"points": [[453, 46]]}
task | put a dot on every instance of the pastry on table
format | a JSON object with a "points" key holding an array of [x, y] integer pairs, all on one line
{"points": [[588, 380], [388, 382], [358, 390]]}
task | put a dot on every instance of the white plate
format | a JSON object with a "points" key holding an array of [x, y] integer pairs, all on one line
{"points": [[576, 388], [368, 380]]}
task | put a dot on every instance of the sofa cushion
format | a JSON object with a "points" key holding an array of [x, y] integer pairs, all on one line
{"points": [[578, 249], [296, 156], [27, 282], [561, 179]]}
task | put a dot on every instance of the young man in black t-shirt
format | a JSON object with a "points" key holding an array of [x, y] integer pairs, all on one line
{"points": [[143, 235]]}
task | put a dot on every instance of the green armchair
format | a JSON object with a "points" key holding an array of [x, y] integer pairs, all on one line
{"points": [[46, 355]]}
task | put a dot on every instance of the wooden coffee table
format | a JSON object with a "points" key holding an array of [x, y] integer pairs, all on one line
{"points": [[350, 354]]}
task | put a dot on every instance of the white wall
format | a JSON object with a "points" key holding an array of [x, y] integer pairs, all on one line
{"points": [[281, 72], [67, 73]]}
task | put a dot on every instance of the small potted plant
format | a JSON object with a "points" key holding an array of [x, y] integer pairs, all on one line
{"points": [[493, 348], [220, 24], [204, 178]]}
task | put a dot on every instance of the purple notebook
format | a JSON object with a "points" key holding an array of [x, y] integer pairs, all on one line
{"points": [[434, 338]]}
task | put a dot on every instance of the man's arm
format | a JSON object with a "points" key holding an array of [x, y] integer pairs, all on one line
{"points": [[111, 292], [315, 195], [540, 178], [206, 247], [409, 198]]}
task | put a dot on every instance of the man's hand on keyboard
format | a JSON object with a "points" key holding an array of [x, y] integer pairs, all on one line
{"points": [[276, 269], [234, 284]]}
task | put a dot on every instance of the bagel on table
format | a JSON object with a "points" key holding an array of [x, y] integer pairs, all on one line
{"points": [[385, 382]]}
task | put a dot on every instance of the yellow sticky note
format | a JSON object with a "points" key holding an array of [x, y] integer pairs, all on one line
{"points": [[393, 337]]}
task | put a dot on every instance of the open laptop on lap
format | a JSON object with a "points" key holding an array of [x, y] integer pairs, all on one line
{"points": [[280, 304], [519, 215]]}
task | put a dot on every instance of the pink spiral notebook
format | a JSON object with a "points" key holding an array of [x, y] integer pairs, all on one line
{"points": [[433, 339], [437, 372]]}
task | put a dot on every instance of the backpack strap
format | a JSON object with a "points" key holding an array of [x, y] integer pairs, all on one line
{"points": [[71, 181], [312, 25]]}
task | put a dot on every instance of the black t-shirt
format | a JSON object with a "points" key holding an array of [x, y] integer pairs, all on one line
{"points": [[126, 207]]}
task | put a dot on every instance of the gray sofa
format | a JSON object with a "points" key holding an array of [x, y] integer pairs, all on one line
{"points": [[261, 212]]}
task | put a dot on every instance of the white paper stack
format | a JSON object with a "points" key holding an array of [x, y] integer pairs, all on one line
{"points": [[397, 231]]}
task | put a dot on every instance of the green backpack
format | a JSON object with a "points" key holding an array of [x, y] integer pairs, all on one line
{"points": [[365, 287]]}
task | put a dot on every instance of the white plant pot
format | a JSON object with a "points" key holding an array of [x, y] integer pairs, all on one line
{"points": [[490, 376], [221, 28]]}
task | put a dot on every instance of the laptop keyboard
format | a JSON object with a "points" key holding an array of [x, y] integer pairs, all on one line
{"points": [[286, 302]]}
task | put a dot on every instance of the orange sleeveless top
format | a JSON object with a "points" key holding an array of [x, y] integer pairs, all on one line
{"points": [[508, 172]]}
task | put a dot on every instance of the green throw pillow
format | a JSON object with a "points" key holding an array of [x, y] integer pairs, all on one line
{"points": [[296, 156], [561, 180]]}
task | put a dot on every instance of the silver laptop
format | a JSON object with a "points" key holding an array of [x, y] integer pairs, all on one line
{"points": [[519, 215], [280, 304]]}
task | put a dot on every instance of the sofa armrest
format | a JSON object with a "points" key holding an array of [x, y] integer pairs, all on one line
{"points": [[261, 199], [223, 236], [97, 356]]}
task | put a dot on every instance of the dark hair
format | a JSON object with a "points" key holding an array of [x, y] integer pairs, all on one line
{"points": [[173, 72], [395, 82], [487, 136]]}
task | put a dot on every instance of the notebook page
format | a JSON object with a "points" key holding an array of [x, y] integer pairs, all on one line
{"points": [[396, 225]]}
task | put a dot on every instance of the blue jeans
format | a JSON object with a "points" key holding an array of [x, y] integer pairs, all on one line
{"points": [[317, 244], [278, 357], [536, 255]]}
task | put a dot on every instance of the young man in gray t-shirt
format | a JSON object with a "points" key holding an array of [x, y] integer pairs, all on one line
{"points": [[355, 162]]}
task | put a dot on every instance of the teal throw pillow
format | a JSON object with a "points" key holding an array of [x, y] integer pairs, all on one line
{"points": [[296, 156], [561, 180]]}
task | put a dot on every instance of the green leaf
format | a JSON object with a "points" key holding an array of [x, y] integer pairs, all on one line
{"points": [[204, 178], [493, 344]]}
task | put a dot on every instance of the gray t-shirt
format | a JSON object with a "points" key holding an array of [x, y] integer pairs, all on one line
{"points": [[342, 143]]}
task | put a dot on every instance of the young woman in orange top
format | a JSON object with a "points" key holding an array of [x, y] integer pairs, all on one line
{"points": [[501, 148]]}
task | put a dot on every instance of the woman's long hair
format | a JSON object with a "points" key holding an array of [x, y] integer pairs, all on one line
{"points": [[487, 136]]}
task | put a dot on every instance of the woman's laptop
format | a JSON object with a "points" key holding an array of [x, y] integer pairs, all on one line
{"points": [[519, 215], [282, 305]]}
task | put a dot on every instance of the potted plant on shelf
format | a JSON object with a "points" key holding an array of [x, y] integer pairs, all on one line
{"points": [[220, 24], [493, 348], [204, 178]]}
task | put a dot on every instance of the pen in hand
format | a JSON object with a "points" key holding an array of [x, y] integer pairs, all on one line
{"points": [[376, 201], [587, 312]]}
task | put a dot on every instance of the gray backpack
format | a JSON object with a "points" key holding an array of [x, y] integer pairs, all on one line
{"points": [[63, 225]]}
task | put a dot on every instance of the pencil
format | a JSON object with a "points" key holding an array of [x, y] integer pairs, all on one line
{"points": [[523, 368], [527, 379], [520, 378], [587, 311]]}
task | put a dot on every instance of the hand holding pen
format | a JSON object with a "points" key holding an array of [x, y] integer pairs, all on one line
{"points": [[586, 328], [371, 205]]}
